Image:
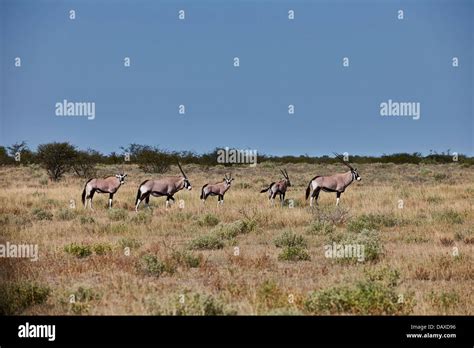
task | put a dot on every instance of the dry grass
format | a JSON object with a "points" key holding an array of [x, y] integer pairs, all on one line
{"points": [[145, 263]]}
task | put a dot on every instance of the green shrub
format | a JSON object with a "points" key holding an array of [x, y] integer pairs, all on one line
{"points": [[195, 304], [209, 242], [233, 229], [152, 266], [294, 253], [448, 216], [208, 220], [320, 228], [142, 217], [101, 249], [369, 239], [86, 220], [77, 250], [117, 214], [375, 295], [290, 239], [371, 222], [129, 243], [187, 259], [16, 297], [444, 300], [66, 214], [41, 214]]}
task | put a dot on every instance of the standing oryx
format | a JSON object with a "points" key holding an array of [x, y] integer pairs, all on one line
{"points": [[108, 185], [218, 189], [332, 183], [166, 186], [278, 188]]}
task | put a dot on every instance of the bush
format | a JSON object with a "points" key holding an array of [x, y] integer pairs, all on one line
{"points": [[233, 229], [152, 266], [375, 295], [448, 216], [142, 217], [16, 297], [195, 304], [151, 159], [77, 250], [101, 249], [56, 158], [330, 215], [84, 163], [187, 259], [208, 220], [320, 228], [66, 214], [210, 242], [41, 214], [369, 239], [371, 222], [289, 239], [294, 253], [117, 214], [86, 220]]}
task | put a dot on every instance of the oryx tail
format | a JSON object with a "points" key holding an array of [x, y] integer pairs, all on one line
{"points": [[308, 189], [268, 188], [139, 193], [202, 192], [84, 192]]}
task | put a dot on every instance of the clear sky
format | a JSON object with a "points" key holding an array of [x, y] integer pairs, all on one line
{"points": [[282, 62]]}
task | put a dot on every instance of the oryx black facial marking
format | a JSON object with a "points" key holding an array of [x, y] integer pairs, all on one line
{"points": [[278, 188], [218, 189], [332, 183], [166, 186], [108, 185]]}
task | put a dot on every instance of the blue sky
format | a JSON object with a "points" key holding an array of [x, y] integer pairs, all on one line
{"points": [[282, 62]]}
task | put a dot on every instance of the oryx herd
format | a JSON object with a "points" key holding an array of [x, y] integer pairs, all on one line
{"points": [[168, 186]]}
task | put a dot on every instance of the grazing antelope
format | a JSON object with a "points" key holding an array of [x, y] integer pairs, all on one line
{"points": [[108, 185], [166, 186], [218, 189], [278, 188], [332, 183]]}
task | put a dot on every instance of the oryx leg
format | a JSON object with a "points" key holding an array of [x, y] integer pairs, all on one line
{"points": [[143, 196], [338, 194], [282, 199], [314, 196], [91, 195], [111, 197], [220, 200], [168, 200]]}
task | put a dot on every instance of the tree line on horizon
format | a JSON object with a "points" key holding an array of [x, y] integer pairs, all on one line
{"points": [[58, 158]]}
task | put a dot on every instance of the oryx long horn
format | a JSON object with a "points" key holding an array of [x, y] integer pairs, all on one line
{"points": [[340, 158], [286, 174], [181, 169]]}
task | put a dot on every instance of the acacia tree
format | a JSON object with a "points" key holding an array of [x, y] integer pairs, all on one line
{"points": [[56, 158]]}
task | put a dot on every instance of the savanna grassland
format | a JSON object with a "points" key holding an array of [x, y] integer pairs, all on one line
{"points": [[246, 257]]}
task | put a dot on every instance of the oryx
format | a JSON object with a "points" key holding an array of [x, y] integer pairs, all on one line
{"points": [[332, 183], [218, 189], [108, 185], [166, 186], [278, 188]]}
